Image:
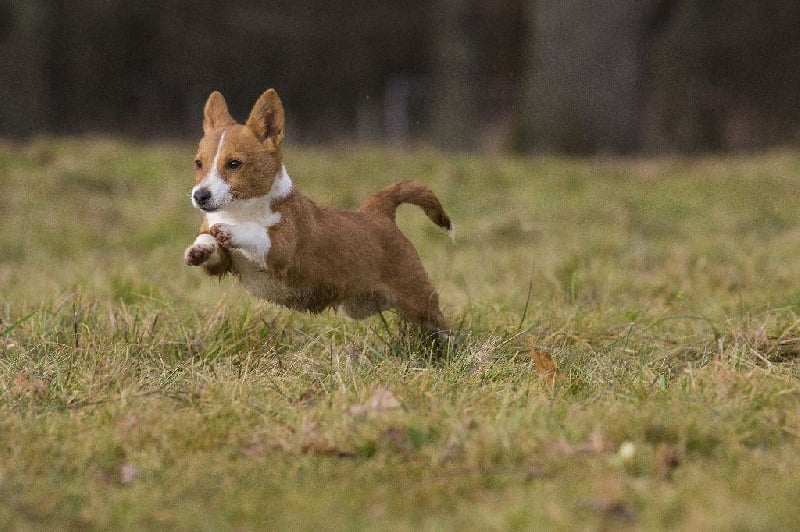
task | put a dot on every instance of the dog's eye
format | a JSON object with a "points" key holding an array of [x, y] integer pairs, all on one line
{"points": [[233, 164], [198, 164]]}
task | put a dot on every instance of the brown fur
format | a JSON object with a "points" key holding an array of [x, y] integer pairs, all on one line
{"points": [[320, 256]]}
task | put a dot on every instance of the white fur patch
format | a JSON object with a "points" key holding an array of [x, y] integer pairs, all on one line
{"points": [[249, 219], [282, 186], [452, 232], [251, 239], [205, 240], [216, 155]]}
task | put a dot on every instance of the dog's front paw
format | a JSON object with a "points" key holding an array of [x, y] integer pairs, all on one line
{"points": [[223, 234], [200, 251], [197, 255]]}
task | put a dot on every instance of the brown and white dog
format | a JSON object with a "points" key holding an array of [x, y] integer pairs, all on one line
{"points": [[285, 248]]}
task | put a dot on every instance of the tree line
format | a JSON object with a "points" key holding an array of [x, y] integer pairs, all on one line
{"points": [[576, 76]]}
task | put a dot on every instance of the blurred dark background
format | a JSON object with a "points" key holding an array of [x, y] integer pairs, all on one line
{"points": [[574, 76]]}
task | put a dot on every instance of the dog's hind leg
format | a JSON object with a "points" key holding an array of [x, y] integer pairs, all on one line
{"points": [[419, 304]]}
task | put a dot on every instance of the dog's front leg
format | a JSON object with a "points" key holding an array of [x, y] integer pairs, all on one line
{"points": [[250, 239], [205, 252], [283, 238]]}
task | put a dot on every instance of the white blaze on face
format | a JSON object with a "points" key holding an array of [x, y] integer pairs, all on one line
{"points": [[213, 182]]}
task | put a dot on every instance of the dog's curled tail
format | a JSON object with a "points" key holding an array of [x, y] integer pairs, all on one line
{"points": [[386, 200]]}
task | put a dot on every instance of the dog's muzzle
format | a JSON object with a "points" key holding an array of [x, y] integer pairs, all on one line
{"points": [[201, 198]]}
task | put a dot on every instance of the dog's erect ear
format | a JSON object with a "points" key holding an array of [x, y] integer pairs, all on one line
{"points": [[216, 113], [266, 119]]}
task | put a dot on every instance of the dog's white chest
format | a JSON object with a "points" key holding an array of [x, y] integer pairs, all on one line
{"points": [[247, 227]]}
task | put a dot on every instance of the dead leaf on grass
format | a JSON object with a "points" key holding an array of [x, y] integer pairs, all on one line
{"points": [[317, 444], [545, 364], [322, 447], [538, 471], [397, 438], [667, 460], [307, 398], [255, 448], [382, 400], [597, 445], [127, 422], [128, 473], [613, 508], [22, 384]]}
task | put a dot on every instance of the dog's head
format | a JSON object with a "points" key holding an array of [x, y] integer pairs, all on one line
{"points": [[234, 161]]}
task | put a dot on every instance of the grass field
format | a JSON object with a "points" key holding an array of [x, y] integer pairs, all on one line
{"points": [[629, 333]]}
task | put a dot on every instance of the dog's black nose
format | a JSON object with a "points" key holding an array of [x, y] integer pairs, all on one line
{"points": [[201, 196]]}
